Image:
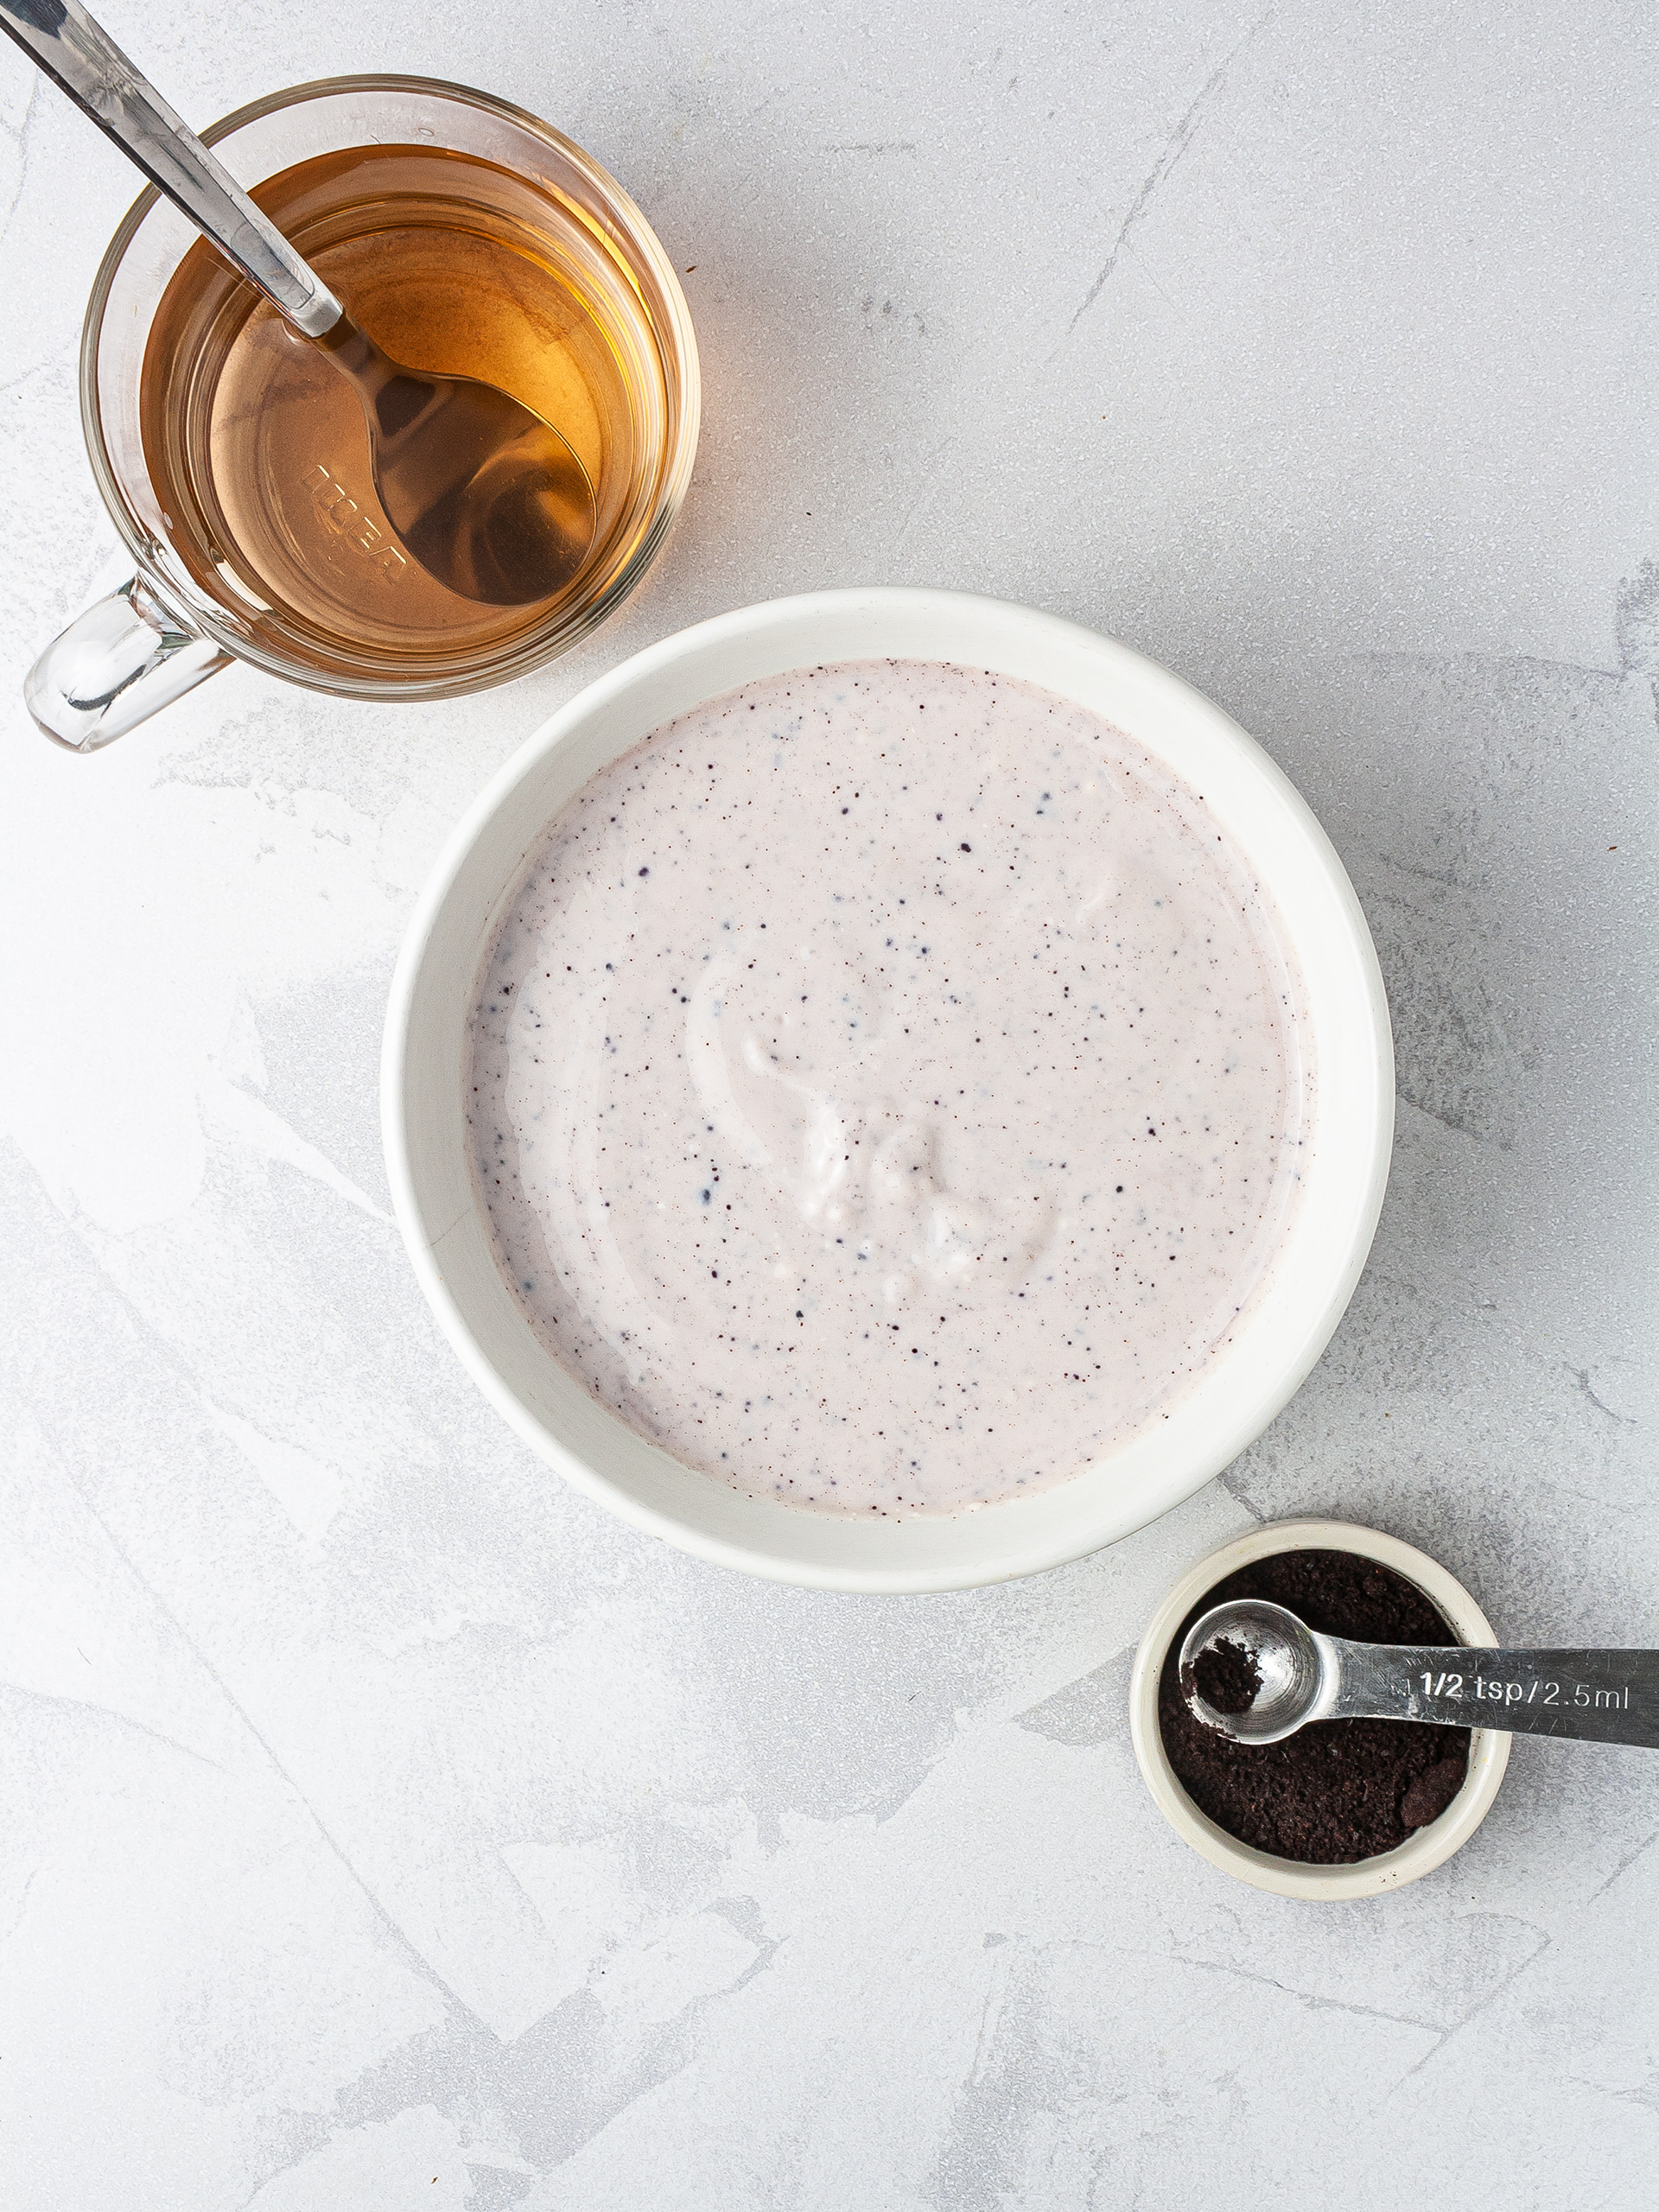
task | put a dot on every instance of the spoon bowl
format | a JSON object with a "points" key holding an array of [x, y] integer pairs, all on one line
{"points": [[488, 498], [1290, 1668]]}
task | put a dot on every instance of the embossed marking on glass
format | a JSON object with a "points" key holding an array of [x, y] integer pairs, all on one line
{"points": [[488, 498], [1606, 1697]]}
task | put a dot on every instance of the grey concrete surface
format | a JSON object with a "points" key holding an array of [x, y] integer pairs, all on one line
{"points": [[384, 1825]]}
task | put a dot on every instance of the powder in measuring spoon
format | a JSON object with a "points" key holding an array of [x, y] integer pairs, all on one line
{"points": [[1225, 1675]]}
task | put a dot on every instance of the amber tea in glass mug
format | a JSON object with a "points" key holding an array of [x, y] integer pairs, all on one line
{"points": [[467, 239]]}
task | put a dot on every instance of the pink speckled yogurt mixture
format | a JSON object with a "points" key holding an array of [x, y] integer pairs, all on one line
{"points": [[886, 1088]]}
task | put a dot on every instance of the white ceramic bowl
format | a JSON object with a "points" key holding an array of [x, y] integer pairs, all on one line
{"points": [[1489, 1752], [1284, 1332]]}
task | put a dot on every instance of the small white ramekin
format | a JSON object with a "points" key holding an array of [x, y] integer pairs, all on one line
{"points": [[1282, 1332], [1489, 1750]]}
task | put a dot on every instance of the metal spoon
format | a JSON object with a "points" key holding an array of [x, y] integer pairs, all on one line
{"points": [[1607, 1697], [488, 498]]}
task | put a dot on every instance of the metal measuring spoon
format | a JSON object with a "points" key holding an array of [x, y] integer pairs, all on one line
{"points": [[488, 498], [1607, 1697]]}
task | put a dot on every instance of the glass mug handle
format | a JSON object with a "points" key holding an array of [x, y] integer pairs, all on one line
{"points": [[114, 665]]}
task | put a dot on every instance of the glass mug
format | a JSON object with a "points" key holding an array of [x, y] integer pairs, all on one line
{"points": [[331, 602]]}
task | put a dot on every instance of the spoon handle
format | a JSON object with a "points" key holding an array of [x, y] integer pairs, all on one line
{"points": [[80, 57], [1607, 1697]]}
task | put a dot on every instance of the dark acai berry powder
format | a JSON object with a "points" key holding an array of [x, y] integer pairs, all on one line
{"points": [[1225, 1675], [1337, 1790]]}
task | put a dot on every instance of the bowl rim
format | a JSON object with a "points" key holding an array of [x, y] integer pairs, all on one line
{"points": [[746, 628], [1421, 1853]]}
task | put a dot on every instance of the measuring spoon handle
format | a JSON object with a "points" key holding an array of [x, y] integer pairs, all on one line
{"points": [[83, 60], [1606, 1697]]}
